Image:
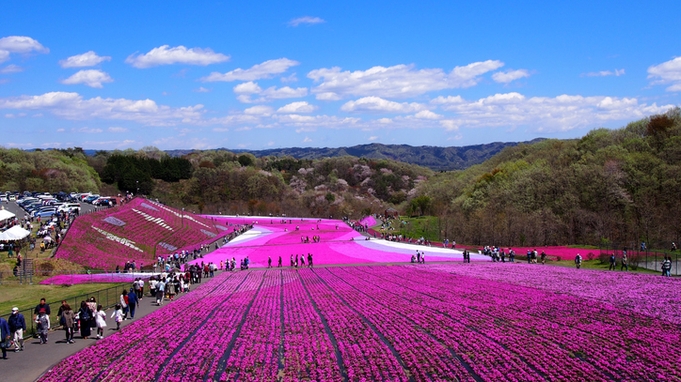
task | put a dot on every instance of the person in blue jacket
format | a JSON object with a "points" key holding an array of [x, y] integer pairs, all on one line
{"points": [[132, 303], [5, 338], [17, 327]]}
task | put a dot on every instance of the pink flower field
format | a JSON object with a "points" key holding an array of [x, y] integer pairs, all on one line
{"points": [[140, 230], [412, 322], [338, 244]]}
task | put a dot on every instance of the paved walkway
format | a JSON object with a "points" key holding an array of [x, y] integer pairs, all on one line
{"points": [[36, 359]]}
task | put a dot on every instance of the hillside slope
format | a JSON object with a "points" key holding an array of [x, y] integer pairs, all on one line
{"points": [[137, 231]]}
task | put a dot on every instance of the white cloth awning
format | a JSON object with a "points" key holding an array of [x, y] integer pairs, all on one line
{"points": [[14, 233], [4, 215]]}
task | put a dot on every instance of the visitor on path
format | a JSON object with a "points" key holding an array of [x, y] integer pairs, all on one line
{"points": [[17, 327], [302, 261], [132, 303], [100, 318], [309, 260], [124, 303], [625, 263], [160, 291], [43, 325], [5, 337], [67, 320], [418, 256], [279, 263], [42, 306], [667, 266], [117, 315], [578, 261], [84, 316], [269, 261], [543, 257], [612, 262]]}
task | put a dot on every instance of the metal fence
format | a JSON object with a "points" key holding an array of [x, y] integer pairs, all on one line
{"points": [[108, 298], [641, 257]]}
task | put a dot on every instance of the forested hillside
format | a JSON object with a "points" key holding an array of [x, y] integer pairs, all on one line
{"points": [[49, 170], [619, 186]]}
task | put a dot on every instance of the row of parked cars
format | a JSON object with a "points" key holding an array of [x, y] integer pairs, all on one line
{"points": [[45, 205]]}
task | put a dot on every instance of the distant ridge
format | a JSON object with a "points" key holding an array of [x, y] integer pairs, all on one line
{"points": [[433, 157]]}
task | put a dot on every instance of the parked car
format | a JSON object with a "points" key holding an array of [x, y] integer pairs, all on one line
{"points": [[45, 214]]}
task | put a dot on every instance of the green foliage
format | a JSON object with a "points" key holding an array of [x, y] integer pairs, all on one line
{"points": [[132, 172], [46, 170]]}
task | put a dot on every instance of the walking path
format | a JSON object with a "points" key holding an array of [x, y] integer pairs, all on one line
{"points": [[36, 359]]}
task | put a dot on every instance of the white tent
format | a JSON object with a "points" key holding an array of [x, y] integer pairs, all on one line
{"points": [[14, 233], [4, 215]]}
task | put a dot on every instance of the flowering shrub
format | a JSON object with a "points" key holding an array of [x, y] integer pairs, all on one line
{"points": [[466, 322]]}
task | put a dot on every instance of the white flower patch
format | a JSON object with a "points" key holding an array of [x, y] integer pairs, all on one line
{"points": [[208, 233], [188, 217], [114, 221], [112, 237], [152, 219], [167, 246], [145, 205]]}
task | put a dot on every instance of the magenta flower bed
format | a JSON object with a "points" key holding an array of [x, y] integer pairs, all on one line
{"points": [[399, 323], [339, 244], [134, 231], [93, 278]]}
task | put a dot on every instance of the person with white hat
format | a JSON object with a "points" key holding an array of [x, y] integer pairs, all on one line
{"points": [[17, 326]]}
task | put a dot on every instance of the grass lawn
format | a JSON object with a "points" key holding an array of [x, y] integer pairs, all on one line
{"points": [[27, 296], [596, 264], [416, 227]]}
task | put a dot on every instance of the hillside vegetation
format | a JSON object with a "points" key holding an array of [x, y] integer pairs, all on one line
{"points": [[612, 186]]}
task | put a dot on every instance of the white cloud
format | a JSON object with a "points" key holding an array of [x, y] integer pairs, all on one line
{"points": [[91, 77], [21, 44], [307, 140], [246, 89], [259, 110], [377, 104], [201, 89], [447, 100], [290, 78], [561, 113], [11, 69], [61, 130], [668, 72], [87, 130], [4, 56], [427, 114], [283, 92], [256, 72], [510, 75], [297, 107], [72, 106], [372, 138], [305, 20], [396, 81], [116, 129], [83, 60], [605, 73], [165, 55]]}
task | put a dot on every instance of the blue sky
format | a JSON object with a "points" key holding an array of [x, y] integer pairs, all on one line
{"points": [[258, 75]]}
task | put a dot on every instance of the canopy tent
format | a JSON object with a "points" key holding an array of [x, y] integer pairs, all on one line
{"points": [[4, 215], [14, 233]]}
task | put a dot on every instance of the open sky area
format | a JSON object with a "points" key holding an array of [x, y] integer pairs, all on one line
{"points": [[258, 75]]}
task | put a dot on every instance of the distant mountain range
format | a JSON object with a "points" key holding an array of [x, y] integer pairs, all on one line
{"points": [[433, 157]]}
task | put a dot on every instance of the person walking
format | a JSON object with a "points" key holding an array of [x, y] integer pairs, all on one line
{"points": [[123, 301], [43, 326], [44, 306], [132, 303], [17, 327], [100, 318], [612, 262], [578, 261], [5, 337], [161, 291], [84, 317], [625, 262], [67, 320]]}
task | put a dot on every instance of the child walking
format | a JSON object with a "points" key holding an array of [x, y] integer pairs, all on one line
{"points": [[117, 315], [100, 320], [43, 322]]}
